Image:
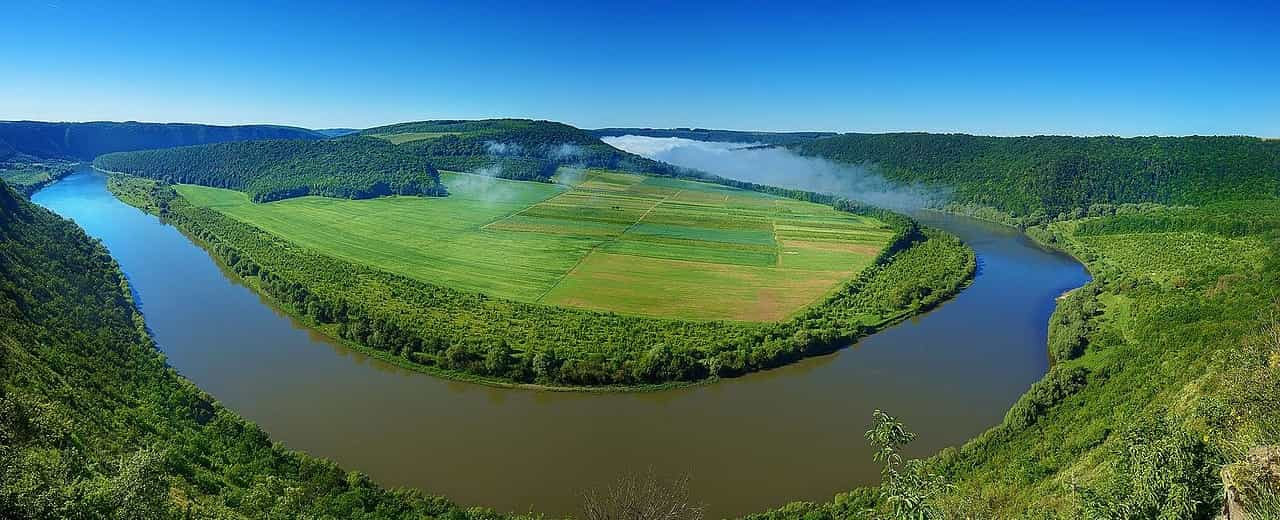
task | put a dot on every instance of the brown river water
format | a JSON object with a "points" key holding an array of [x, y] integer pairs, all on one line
{"points": [[747, 444]]}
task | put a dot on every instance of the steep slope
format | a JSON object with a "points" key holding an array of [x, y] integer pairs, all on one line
{"points": [[351, 167], [512, 148], [84, 141], [1043, 176], [94, 424]]}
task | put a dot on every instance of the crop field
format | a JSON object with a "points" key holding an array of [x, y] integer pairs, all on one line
{"points": [[413, 136], [615, 242], [24, 176]]}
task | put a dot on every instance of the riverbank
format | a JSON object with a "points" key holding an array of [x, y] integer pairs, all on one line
{"points": [[922, 267], [950, 373]]}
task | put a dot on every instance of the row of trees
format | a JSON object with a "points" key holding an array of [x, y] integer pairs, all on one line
{"points": [[351, 167], [1053, 174], [442, 328]]}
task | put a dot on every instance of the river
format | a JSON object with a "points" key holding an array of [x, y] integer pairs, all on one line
{"points": [[748, 444]]}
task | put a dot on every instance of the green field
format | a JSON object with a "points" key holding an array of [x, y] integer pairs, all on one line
{"points": [[615, 242], [413, 136]]}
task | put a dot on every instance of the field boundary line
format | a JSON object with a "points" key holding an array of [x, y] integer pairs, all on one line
{"points": [[526, 208], [603, 242]]}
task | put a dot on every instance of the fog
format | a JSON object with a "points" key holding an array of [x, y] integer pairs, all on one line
{"points": [[781, 167]]}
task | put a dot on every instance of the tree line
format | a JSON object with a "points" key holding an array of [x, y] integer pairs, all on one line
{"points": [[1048, 175], [350, 167]]}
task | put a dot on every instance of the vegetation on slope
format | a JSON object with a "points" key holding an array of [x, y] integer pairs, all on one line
{"points": [[28, 176], [354, 167], [34, 154], [724, 136], [1038, 178], [85, 141], [520, 149], [1163, 385], [431, 327], [94, 424]]}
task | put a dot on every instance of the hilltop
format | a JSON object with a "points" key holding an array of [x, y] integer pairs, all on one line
{"points": [[34, 153]]}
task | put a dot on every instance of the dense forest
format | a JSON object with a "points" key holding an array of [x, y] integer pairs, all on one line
{"points": [[1044, 176], [349, 167], [469, 335], [94, 424], [724, 136], [512, 148], [34, 154], [84, 141]]}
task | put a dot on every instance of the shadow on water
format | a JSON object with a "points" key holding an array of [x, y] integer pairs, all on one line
{"points": [[749, 443]]}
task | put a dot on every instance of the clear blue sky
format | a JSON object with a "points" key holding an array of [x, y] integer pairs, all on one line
{"points": [[1006, 69]]}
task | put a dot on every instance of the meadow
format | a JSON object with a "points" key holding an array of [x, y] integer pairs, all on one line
{"points": [[611, 241]]}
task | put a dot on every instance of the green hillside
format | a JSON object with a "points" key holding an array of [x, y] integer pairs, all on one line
{"points": [[84, 141], [352, 167], [512, 148], [1043, 176], [93, 424], [34, 154]]}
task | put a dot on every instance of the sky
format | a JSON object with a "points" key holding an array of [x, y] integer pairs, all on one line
{"points": [[1023, 68]]}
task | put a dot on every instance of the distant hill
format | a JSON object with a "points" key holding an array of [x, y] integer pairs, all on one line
{"points": [[726, 136], [512, 148], [352, 167], [84, 141], [337, 132], [1052, 174]]}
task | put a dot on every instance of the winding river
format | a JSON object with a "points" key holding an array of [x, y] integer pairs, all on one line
{"points": [[748, 444]]}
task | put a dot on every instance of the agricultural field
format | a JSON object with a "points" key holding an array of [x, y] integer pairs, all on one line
{"points": [[413, 136], [611, 241]]}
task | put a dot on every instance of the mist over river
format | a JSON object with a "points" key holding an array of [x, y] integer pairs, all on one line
{"points": [[749, 443]]}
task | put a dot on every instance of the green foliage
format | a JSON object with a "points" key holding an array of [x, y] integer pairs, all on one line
{"points": [[1049, 175], [520, 149], [84, 141], [907, 487], [94, 424], [352, 167], [28, 176], [432, 327]]}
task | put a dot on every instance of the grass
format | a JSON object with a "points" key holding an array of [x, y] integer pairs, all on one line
{"points": [[24, 176], [614, 242], [413, 136]]}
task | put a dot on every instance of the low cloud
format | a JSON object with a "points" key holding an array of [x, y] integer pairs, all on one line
{"points": [[496, 148], [778, 166]]}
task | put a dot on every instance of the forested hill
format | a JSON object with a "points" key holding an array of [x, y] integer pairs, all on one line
{"points": [[512, 148], [726, 136], [94, 424], [1054, 174], [351, 167], [84, 141]]}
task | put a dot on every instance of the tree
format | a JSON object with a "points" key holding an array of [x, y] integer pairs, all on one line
{"points": [[642, 496], [906, 487]]}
